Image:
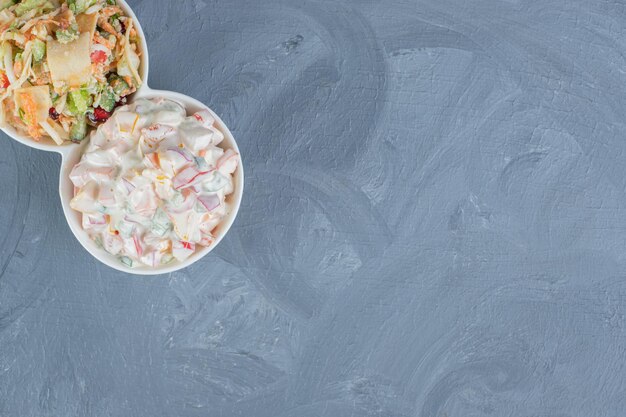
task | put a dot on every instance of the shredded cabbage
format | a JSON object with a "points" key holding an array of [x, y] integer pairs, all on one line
{"points": [[53, 133], [132, 59], [7, 52]]}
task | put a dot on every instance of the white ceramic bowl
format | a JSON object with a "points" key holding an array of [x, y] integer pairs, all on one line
{"points": [[71, 154]]}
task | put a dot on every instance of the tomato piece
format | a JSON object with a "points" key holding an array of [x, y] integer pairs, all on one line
{"points": [[4, 80], [100, 115], [98, 57]]}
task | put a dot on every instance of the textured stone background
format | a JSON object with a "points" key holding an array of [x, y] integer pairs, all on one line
{"points": [[434, 224]]}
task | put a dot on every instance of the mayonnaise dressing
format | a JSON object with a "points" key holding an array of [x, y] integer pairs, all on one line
{"points": [[152, 183]]}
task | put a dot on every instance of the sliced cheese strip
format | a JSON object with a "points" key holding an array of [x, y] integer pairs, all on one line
{"points": [[38, 96], [70, 63], [87, 23]]}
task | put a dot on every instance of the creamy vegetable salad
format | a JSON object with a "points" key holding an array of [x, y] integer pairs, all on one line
{"points": [[65, 65], [152, 183]]}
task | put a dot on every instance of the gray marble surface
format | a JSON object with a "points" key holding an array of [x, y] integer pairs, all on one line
{"points": [[434, 224]]}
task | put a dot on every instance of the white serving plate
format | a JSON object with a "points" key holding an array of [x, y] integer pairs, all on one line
{"points": [[71, 154]]}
